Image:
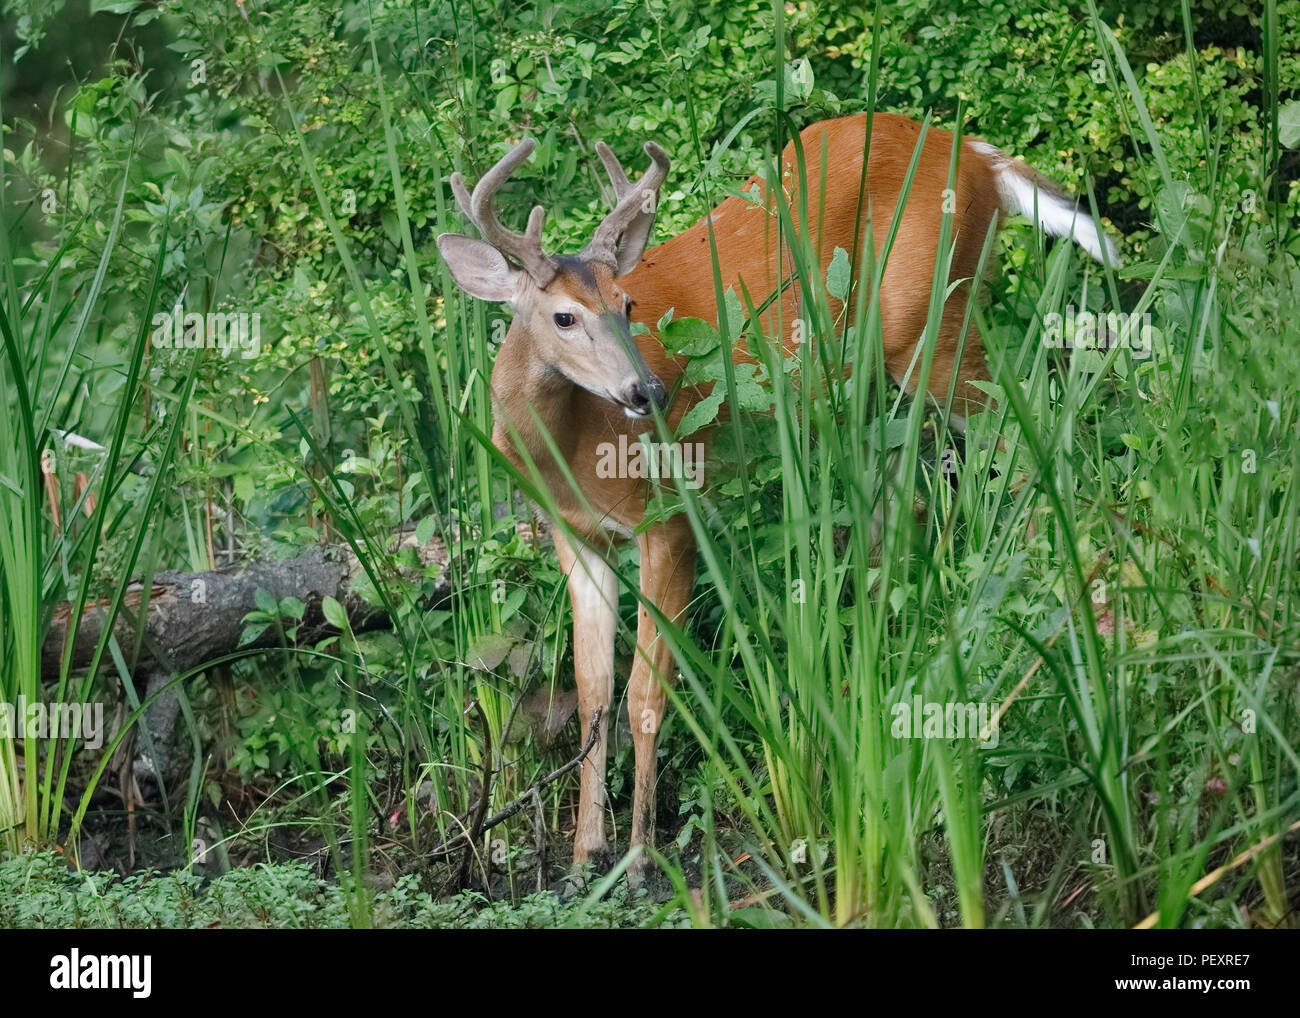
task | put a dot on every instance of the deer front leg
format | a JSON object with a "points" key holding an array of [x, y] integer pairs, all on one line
{"points": [[593, 591], [667, 577]]}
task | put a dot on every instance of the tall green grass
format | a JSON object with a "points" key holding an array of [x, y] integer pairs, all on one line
{"points": [[44, 338]]}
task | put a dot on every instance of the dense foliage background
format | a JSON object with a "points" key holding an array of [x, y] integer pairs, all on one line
{"points": [[290, 159]]}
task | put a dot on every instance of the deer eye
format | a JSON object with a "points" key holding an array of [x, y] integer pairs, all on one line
{"points": [[627, 307], [564, 320]]}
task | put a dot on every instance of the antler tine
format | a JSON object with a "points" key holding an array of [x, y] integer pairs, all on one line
{"points": [[525, 248], [462, 196], [629, 198], [614, 168]]}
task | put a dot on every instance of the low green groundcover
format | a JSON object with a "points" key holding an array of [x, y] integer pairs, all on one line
{"points": [[39, 891]]}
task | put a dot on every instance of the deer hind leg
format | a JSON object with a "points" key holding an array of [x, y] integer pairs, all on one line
{"points": [[667, 577], [967, 399], [593, 591], [974, 367]]}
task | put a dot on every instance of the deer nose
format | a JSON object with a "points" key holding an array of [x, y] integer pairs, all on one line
{"points": [[645, 396]]}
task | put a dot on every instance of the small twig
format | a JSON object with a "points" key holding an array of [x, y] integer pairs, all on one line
{"points": [[539, 839], [485, 793], [505, 814]]}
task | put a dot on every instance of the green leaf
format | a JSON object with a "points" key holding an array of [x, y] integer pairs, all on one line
{"points": [[750, 393], [895, 435], [800, 81], [691, 337], [837, 275], [265, 602], [704, 412], [334, 614], [1288, 124], [251, 633], [735, 312], [489, 650], [514, 600]]}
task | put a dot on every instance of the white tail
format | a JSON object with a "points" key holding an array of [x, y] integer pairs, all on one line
{"points": [[1026, 193]]}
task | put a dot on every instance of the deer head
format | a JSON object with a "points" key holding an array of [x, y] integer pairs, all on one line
{"points": [[569, 307]]}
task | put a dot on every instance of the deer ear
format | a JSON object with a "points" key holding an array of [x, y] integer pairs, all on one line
{"points": [[632, 244], [478, 268]]}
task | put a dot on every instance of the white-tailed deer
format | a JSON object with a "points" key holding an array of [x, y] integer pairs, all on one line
{"points": [[570, 368]]}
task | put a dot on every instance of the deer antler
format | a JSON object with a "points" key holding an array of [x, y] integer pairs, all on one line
{"points": [[630, 221], [524, 248]]}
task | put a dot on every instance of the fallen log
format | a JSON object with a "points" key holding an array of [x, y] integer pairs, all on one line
{"points": [[193, 617]]}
